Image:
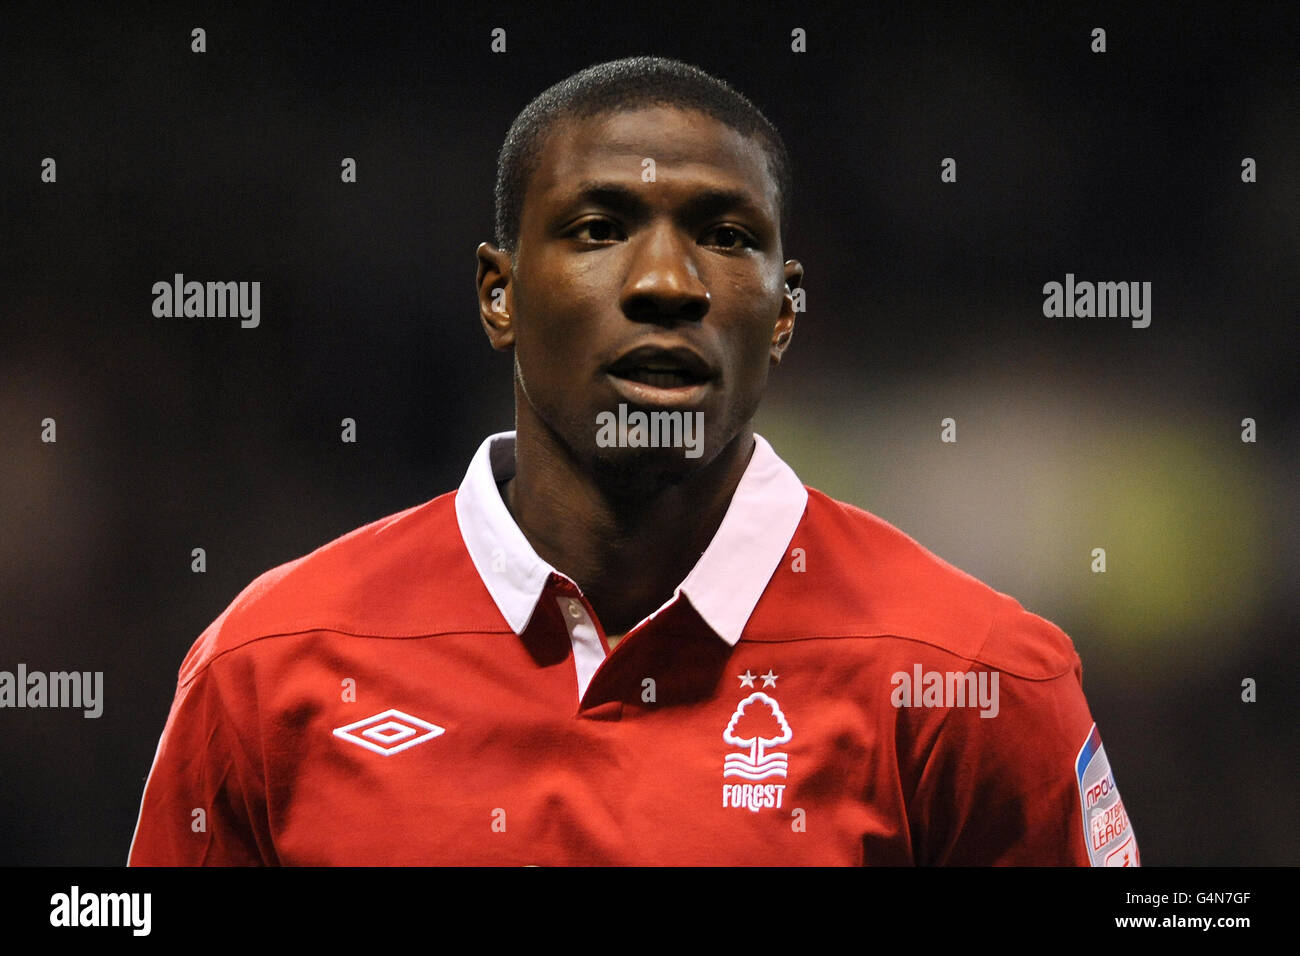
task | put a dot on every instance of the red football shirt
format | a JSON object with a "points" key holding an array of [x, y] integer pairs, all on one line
{"points": [[819, 690]]}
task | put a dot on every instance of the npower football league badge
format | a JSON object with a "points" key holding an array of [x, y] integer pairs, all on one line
{"points": [[1105, 824]]}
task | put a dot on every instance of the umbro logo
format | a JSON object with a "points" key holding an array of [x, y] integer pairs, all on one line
{"points": [[389, 732]]}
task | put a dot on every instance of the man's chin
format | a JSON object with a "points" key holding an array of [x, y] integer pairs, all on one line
{"points": [[641, 471], [648, 445]]}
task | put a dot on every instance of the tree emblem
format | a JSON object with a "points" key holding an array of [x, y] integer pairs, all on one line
{"points": [[756, 725]]}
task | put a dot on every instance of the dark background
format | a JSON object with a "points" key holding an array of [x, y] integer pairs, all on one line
{"points": [[924, 301]]}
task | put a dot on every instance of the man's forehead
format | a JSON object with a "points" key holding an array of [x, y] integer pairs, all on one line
{"points": [[614, 145]]}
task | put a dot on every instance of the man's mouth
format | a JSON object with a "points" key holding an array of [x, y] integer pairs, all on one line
{"points": [[660, 376], [662, 365]]}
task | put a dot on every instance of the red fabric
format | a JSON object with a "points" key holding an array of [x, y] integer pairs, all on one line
{"points": [[525, 774]]}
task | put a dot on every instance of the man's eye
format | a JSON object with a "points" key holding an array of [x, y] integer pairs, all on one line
{"points": [[597, 230], [729, 237]]}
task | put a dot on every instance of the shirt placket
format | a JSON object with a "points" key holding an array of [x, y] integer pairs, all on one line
{"points": [[585, 634]]}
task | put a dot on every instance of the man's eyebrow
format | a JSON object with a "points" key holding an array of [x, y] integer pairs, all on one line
{"points": [[699, 205], [613, 195], [713, 202]]}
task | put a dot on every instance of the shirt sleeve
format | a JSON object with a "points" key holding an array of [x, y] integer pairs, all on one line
{"points": [[1022, 781], [203, 803]]}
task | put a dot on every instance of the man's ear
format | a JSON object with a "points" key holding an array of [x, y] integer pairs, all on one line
{"points": [[784, 329], [494, 295]]}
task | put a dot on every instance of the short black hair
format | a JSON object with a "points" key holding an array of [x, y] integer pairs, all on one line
{"points": [[615, 86]]}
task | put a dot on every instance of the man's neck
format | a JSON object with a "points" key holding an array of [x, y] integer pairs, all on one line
{"points": [[627, 553]]}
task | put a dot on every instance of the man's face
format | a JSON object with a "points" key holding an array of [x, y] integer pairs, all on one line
{"points": [[657, 285]]}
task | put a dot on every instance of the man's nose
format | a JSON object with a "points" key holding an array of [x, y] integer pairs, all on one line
{"points": [[663, 282]]}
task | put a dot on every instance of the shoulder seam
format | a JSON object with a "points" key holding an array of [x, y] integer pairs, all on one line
{"points": [[417, 635], [974, 659]]}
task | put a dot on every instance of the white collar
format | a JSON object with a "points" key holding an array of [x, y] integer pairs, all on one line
{"points": [[723, 587]]}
